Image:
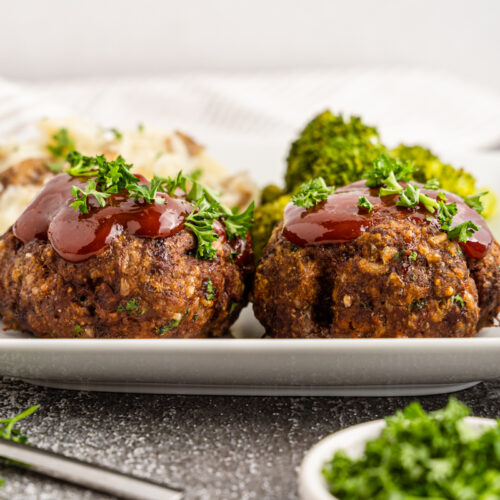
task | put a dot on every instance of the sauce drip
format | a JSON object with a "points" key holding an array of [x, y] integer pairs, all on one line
{"points": [[338, 219], [76, 236]]}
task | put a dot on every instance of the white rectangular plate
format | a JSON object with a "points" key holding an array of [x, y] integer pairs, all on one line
{"points": [[254, 366]]}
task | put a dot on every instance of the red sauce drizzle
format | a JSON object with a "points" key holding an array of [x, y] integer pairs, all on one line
{"points": [[339, 219], [76, 236]]}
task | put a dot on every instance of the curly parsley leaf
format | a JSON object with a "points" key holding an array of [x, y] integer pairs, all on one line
{"points": [[382, 169], [238, 224], [410, 197], [209, 289], [474, 201], [56, 167], [201, 222], [429, 203], [312, 193], [432, 183], [462, 232], [10, 432], [118, 135], [81, 196], [171, 324], [446, 214], [364, 202], [391, 186], [61, 144]]}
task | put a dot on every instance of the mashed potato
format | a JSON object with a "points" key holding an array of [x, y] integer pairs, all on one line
{"points": [[150, 150]]}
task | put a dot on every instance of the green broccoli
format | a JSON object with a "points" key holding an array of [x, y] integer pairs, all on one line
{"points": [[339, 150], [265, 219], [270, 193]]}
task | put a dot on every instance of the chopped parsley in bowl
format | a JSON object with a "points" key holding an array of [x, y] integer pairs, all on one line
{"points": [[413, 455]]}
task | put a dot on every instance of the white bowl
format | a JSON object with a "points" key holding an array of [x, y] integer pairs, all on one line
{"points": [[312, 485]]}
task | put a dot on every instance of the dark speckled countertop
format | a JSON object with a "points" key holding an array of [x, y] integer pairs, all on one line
{"points": [[214, 447]]}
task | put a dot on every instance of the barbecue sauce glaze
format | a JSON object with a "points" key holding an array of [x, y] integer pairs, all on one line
{"points": [[76, 236], [338, 219]]}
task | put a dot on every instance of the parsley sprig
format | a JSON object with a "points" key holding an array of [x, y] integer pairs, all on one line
{"points": [[10, 432], [61, 144], [387, 172], [364, 202], [110, 177], [312, 193], [421, 455], [474, 201]]}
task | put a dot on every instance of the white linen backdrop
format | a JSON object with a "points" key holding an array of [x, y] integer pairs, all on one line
{"points": [[247, 120]]}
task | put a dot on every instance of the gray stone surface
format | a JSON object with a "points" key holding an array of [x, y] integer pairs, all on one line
{"points": [[214, 447]]}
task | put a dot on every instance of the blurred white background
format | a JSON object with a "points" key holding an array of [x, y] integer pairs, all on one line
{"points": [[63, 38], [243, 76]]}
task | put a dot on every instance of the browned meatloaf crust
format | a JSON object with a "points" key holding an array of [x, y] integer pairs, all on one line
{"points": [[136, 288], [370, 287]]}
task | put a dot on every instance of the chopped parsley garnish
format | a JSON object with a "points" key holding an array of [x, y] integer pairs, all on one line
{"points": [[364, 202], [459, 300], [391, 186], [110, 177], [432, 183], [61, 144], [118, 135], [312, 193], [386, 174], [9, 432], [446, 213], [474, 201], [140, 127], [419, 455], [382, 169], [55, 167], [171, 324], [413, 256], [463, 231], [196, 174], [234, 305], [429, 203], [78, 330], [131, 306], [410, 197], [209, 289], [81, 196]]}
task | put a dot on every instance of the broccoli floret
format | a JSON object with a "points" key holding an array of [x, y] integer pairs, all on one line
{"points": [[339, 150], [270, 193], [456, 180], [265, 219]]}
